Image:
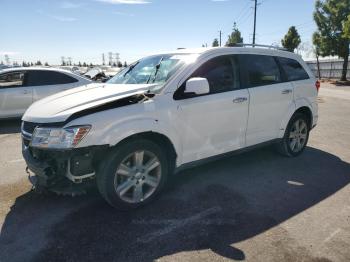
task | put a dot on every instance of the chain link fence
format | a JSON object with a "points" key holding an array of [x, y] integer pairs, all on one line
{"points": [[329, 69]]}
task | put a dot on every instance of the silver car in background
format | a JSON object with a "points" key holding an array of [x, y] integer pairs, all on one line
{"points": [[20, 87]]}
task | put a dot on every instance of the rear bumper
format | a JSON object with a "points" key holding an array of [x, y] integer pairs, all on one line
{"points": [[314, 114]]}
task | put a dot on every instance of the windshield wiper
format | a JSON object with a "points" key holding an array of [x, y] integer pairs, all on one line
{"points": [[156, 72], [131, 68]]}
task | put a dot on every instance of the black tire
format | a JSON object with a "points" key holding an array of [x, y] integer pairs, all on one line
{"points": [[107, 172], [284, 146]]}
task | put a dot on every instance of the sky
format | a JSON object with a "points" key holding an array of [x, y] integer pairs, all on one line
{"points": [[46, 30]]}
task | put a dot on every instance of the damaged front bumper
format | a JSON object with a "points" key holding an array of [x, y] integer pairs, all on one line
{"points": [[67, 172]]}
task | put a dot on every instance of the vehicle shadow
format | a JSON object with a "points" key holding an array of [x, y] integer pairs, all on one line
{"points": [[10, 126], [210, 207]]}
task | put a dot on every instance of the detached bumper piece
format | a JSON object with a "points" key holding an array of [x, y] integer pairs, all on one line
{"points": [[66, 172]]}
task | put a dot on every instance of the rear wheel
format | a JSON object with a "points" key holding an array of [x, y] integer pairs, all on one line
{"points": [[295, 137], [133, 175]]}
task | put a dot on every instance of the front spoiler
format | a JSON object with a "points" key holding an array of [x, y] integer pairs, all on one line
{"points": [[39, 169], [43, 178]]}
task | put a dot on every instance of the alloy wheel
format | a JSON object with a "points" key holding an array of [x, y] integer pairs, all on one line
{"points": [[298, 135], [138, 176]]}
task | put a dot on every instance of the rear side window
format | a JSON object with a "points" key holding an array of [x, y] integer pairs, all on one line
{"points": [[261, 70], [221, 73], [43, 78], [293, 69], [14, 79]]}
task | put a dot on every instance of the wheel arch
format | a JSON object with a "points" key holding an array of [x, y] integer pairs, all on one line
{"points": [[307, 112], [160, 139], [303, 108]]}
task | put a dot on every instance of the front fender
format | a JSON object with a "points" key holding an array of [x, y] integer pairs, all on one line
{"points": [[119, 131]]}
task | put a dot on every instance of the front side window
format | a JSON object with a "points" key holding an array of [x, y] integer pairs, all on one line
{"points": [[221, 72], [11, 80], [151, 70], [293, 69], [261, 70], [44, 78]]}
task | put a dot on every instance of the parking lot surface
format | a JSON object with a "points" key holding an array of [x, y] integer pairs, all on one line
{"points": [[257, 206]]}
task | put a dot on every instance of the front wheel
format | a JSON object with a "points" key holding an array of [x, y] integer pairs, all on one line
{"points": [[295, 137], [133, 175]]}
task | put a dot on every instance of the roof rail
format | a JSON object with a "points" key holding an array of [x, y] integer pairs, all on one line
{"points": [[257, 45]]}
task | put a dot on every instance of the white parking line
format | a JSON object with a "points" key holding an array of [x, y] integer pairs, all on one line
{"points": [[173, 224], [16, 160], [332, 235]]}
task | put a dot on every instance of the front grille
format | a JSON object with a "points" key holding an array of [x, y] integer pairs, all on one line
{"points": [[26, 141], [29, 127]]}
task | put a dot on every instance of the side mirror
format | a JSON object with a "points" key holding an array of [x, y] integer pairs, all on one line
{"points": [[197, 85]]}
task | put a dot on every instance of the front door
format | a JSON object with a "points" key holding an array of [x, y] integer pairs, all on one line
{"points": [[48, 82], [215, 123], [15, 97]]}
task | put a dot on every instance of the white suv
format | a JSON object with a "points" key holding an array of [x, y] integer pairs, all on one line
{"points": [[164, 113]]}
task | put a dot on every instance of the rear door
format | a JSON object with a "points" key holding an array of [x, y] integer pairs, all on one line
{"points": [[46, 82], [270, 97], [15, 96]]}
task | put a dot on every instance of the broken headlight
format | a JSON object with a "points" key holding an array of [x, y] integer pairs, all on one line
{"points": [[59, 138]]}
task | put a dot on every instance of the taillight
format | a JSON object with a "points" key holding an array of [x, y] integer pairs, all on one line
{"points": [[318, 85]]}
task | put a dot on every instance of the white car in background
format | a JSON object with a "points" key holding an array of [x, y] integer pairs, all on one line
{"points": [[20, 87]]}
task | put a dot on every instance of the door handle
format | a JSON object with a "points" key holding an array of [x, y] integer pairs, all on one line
{"points": [[239, 100], [286, 91]]}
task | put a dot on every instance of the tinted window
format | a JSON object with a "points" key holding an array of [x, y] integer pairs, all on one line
{"points": [[42, 78], [11, 80], [221, 73], [293, 70], [261, 70]]}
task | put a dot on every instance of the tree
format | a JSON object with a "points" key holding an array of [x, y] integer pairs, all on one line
{"points": [[347, 28], [235, 37], [38, 63], [331, 38], [215, 42], [46, 64], [317, 43], [291, 40], [84, 64], [120, 65], [125, 64], [79, 64]]}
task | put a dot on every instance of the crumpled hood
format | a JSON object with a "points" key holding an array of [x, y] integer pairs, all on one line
{"points": [[58, 107]]}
